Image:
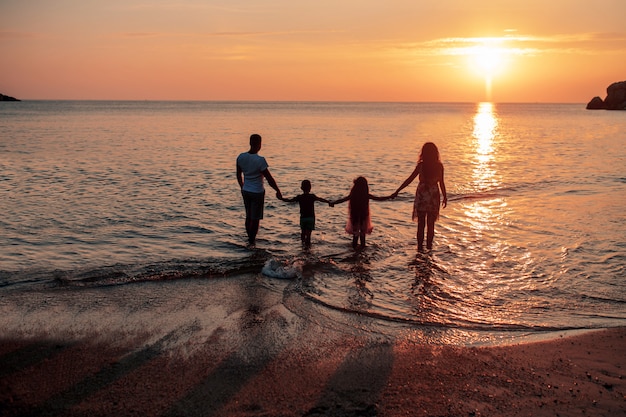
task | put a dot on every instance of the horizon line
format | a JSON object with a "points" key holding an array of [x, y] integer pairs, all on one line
{"points": [[295, 101]]}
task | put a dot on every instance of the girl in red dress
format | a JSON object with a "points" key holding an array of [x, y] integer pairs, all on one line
{"points": [[359, 221]]}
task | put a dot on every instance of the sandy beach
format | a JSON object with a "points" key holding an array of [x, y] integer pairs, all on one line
{"points": [[255, 357]]}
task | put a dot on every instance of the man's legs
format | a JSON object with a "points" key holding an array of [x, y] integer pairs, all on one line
{"points": [[254, 203], [252, 228]]}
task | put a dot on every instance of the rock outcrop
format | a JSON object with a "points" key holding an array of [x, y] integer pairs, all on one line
{"points": [[7, 98], [615, 98], [596, 103]]}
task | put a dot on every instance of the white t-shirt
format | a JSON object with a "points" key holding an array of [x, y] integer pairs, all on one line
{"points": [[252, 165]]}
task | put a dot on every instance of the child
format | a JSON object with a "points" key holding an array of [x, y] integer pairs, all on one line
{"points": [[307, 210], [359, 222], [427, 197]]}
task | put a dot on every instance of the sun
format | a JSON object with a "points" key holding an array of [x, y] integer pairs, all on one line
{"points": [[488, 60]]}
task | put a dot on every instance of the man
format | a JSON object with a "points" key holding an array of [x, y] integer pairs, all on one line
{"points": [[251, 169]]}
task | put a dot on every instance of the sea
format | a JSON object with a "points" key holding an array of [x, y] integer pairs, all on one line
{"points": [[102, 195]]}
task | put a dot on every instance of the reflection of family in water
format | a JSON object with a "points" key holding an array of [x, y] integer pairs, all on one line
{"points": [[253, 168]]}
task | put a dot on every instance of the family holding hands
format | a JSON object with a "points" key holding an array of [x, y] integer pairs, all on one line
{"points": [[252, 168]]}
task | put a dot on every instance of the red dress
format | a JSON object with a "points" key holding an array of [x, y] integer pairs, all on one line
{"points": [[359, 224]]}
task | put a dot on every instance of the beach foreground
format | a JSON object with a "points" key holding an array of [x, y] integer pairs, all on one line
{"points": [[255, 357]]}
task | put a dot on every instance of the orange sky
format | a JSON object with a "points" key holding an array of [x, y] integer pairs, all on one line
{"points": [[356, 50]]}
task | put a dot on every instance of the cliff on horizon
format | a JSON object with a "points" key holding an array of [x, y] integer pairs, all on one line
{"points": [[615, 98], [7, 98]]}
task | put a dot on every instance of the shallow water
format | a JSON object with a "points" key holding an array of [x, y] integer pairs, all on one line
{"points": [[100, 194]]}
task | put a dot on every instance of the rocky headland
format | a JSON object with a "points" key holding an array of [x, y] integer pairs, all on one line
{"points": [[615, 98], [7, 98]]}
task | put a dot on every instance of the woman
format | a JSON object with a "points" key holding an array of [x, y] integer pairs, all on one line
{"points": [[427, 198]]}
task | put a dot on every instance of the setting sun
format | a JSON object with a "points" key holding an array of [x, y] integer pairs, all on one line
{"points": [[488, 60]]}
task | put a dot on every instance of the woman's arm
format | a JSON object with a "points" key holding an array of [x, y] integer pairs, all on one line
{"points": [[373, 197], [442, 185], [408, 181]]}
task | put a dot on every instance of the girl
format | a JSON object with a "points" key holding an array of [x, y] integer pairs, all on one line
{"points": [[427, 199], [359, 222]]}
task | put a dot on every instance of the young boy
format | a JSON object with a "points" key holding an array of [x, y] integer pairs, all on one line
{"points": [[307, 210]]}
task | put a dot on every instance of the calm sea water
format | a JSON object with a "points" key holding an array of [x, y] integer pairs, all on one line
{"points": [[100, 194]]}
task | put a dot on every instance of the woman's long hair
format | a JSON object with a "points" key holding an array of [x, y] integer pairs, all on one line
{"points": [[359, 206], [429, 157]]}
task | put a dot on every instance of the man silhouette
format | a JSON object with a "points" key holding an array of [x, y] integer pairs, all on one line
{"points": [[251, 169]]}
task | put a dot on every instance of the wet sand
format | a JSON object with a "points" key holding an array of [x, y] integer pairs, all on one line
{"points": [[255, 357]]}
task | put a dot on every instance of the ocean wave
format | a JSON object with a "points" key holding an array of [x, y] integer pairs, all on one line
{"points": [[345, 283], [121, 274]]}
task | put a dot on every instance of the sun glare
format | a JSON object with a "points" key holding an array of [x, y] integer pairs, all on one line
{"points": [[488, 59]]}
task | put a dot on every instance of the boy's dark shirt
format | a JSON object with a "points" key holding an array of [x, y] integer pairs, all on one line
{"points": [[307, 204]]}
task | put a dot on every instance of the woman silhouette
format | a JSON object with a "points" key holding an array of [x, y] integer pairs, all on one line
{"points": [[427, 197]]}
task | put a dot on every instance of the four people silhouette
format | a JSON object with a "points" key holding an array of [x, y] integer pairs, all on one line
{"points": [[253, 168]]}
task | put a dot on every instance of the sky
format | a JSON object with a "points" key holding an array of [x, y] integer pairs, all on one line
{"points": [[319, 50]]}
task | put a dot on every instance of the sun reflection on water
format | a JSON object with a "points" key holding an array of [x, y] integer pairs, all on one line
{"points": [[484, 133], [482, 210]]}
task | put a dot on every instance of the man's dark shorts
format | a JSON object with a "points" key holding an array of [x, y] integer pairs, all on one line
{"points": [[307, 223], [254, 203]]}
